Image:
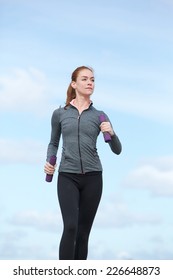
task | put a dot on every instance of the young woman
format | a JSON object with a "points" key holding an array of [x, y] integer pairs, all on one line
{"points": [[80, 169]]}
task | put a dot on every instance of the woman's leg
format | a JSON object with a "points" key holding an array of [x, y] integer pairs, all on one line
{"points": [[90, 195], [68, 195]]}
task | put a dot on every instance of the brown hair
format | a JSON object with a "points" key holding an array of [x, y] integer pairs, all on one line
{"points": [[71, 94]]}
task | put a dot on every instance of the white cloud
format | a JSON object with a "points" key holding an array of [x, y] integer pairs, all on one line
{"points": [[150, 105], [142, 90], [157, 253], [22, 88], [23, 244], [11, 250], [154, 175], [26, 90], [29, 151], [40, 221], [26, 151], [121, 216], [99, 251], [15, 235]]}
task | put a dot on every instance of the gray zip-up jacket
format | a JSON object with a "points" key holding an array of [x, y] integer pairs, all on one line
{"points": [[79, 135]]}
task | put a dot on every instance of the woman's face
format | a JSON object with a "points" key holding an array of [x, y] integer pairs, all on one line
{"points": [[84, 84]]}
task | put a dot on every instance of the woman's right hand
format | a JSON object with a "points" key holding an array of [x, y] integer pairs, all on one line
{"points": [[49, 169]]}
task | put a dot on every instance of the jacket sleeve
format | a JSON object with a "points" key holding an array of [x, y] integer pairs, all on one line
{"points": [[55, 134], [115, 143]]}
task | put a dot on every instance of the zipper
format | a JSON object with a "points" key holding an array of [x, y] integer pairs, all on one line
{"points": [[80, 156]]}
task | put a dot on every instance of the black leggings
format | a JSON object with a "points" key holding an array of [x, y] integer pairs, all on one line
{"points": [[79, 196]]}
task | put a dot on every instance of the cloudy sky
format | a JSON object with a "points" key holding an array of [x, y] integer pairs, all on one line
{"points": [[130, 46]]}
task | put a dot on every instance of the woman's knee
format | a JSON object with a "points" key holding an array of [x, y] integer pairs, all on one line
{"points": [[70, 228]]}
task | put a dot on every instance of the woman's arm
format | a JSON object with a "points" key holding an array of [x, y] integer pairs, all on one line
{"points": [[55, 135], [115, 143]]}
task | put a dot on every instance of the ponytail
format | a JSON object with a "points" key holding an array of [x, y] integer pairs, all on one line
{"points": [[71, 94]]}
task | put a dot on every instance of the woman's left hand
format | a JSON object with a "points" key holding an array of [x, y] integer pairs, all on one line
{"points": [[106, 127]]}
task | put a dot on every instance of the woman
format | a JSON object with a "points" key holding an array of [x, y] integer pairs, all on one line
{"points": [[80, 170]]}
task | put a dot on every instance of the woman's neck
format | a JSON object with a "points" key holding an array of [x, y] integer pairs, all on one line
{"points": [[81, 103]]}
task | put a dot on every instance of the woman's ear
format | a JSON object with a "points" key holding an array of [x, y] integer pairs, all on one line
{"points": [[73, 84]]}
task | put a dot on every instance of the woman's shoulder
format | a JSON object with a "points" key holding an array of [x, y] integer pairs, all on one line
{"points": [[98, 111], [58, 110], [61, 112]]}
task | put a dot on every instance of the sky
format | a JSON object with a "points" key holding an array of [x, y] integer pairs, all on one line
{"points": [[130, 46]]}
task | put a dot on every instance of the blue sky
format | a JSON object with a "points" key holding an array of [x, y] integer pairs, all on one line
{"points": [[130, 46]]}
